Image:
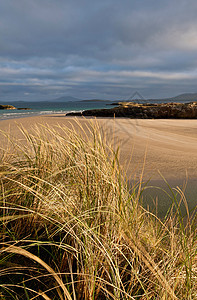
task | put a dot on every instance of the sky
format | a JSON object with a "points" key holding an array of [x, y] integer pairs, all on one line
{"points": [[106, 49]]}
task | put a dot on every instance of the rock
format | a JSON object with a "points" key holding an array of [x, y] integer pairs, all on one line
{"points": [[7, 107], [145, 111], [23, 108]]}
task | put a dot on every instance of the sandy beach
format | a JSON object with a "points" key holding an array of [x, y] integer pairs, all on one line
{"points": [[167, 147], [154, 148]]}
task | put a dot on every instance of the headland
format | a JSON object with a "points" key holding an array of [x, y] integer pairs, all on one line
{"points": [[133, 110]]}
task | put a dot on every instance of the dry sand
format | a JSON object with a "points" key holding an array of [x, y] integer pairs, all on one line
{"points": [[167, 147]]}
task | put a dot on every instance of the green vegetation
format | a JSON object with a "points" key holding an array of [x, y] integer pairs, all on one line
{"points": [[71, 228]]}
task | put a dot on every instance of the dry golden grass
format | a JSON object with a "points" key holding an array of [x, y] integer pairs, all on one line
{"points": [[71, 228]]}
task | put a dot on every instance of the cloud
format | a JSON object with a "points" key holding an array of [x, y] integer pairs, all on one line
{"points": [[101, 48]]}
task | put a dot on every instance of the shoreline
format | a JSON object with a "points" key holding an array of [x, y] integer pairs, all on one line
{"points": [[30, 115]]}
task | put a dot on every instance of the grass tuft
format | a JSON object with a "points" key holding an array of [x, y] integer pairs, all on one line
{"points": [[71, 228]]}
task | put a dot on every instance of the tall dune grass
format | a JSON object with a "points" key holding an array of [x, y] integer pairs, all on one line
{"points": [[71, 228]]}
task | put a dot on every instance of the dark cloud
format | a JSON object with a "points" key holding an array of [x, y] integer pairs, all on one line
{"points": [[97, 49]]}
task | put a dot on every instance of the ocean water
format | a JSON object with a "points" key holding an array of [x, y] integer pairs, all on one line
{"points": [[43, 108]]}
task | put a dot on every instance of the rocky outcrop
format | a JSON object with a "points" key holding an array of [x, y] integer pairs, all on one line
{"points": [[145, 111], [7, 107], [23, 108], [13, 107]]}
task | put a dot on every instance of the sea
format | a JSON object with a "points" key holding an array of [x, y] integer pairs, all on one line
{"points": [[46, 108]]}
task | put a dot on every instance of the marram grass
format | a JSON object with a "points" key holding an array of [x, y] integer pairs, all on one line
{"points": [[72, 229]]}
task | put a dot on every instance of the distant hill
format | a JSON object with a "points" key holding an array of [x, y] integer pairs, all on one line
{"points": [[187, 97], [95, 100], [66, 99], [58, 100], [73, 99]]}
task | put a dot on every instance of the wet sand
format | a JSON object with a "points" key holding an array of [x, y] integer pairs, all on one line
{"points": [[155, 148]]}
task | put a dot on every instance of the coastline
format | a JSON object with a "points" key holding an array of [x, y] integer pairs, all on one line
{"points": [[38, 108]]}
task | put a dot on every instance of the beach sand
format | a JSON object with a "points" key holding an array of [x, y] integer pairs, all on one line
{"points": [[166, 146], [155, 148]]}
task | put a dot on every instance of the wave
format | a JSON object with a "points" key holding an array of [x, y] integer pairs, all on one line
{"points": [[17, 115]]}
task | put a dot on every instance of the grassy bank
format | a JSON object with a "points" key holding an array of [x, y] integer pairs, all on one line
{"points": [[71, 228]]}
